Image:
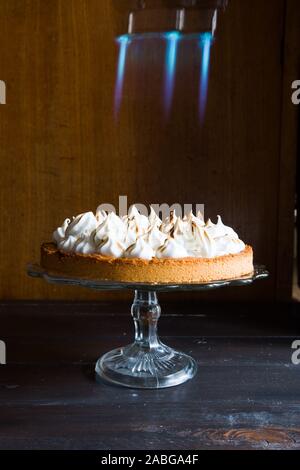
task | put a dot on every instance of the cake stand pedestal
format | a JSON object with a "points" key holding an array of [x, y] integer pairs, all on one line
{"points": [[147, 362]]}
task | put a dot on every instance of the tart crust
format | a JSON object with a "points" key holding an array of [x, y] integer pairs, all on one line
{"points": [[166, 270]]}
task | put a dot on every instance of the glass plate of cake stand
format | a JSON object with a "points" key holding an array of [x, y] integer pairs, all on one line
{"points": [[147, 362]]}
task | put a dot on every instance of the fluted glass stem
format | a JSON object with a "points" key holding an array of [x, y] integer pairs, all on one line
{"points": [[146, 311]]}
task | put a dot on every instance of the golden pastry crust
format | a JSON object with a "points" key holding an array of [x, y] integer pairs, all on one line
{"points": [[156, 270]]}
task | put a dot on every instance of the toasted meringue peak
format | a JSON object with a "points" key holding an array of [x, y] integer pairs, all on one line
{"points": [[154, 220], [100, 215], [219, 229], [111, 246], [60, 232], [155, 237], [137, 221], [172, 249], [81, 224], [140, 249], [84, 245], [138, 236]]}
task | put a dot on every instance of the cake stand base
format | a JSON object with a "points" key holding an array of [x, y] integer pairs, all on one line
{"points": [[146, 363], [130, 367]]}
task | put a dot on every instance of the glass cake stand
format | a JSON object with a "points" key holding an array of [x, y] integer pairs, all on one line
{"points": [[147, 362]]}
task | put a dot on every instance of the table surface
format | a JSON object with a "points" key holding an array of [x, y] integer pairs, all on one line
{"points": [[245, 395]]}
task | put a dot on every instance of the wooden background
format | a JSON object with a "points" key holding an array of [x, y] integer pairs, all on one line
{"points": [[62, 152]]}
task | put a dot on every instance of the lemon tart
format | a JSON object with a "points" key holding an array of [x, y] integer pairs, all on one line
{"points": [[144, 249]]}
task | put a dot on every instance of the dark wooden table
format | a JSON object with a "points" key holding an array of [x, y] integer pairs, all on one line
{"points": [[246, 393]]}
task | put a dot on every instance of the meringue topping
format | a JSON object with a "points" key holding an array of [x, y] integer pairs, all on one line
{"points": [[138, 236], [172, 249], [140, 249], [110, 246]]}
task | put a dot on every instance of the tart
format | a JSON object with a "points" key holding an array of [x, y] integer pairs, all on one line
{"points": [[156, 270], [144, 249]]}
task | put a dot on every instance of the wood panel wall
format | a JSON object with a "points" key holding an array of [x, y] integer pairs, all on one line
{"points": [[62, 152]]}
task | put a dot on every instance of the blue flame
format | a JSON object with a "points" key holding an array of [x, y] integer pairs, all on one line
{"points": [[123, 46], [170, 66], [205, 44]]}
